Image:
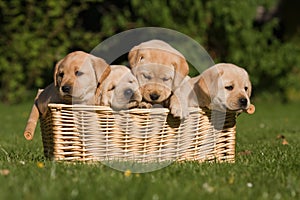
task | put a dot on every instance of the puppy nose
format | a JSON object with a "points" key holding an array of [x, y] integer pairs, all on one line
{"points": [[243, 102], [66, 89], [128, 93], [154, 96]]}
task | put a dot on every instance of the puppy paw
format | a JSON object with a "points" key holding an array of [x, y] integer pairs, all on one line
{"points": [[145, 105], [178, 112], [185, 113], [133, 104]]}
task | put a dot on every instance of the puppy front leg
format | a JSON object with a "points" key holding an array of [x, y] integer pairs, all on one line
{"points": [[178, 105], [133, 104]]}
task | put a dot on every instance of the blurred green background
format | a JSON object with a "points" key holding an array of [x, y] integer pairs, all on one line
{"points": [[262, 36]]}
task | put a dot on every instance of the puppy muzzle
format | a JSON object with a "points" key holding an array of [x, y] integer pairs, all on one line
{"points": [[240, 105], [243, 103], [66, 89], [154, 96]]}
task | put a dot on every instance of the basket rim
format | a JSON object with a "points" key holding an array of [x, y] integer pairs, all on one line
{"points": [[80, 107]]}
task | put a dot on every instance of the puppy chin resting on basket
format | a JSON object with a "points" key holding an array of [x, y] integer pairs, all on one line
{"points": [[120, 90], [76, 78], [223, 87]]}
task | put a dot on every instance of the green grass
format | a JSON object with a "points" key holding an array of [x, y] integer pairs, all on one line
{"points": [[264, 167]]}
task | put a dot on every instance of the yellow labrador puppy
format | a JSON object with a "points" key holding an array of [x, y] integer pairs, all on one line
{"points": [[222, 87], [120, 90], [76, 78], [160, 69]]}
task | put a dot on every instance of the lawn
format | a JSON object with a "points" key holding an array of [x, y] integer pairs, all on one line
{"points": [[265, 168]]}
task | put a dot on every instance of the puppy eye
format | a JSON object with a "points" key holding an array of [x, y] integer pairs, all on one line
{"points": [[61, 74], [111, 88], [141, 59], [78, 73], [166, 79], [246, 88], [229, 87], [147, 76]]}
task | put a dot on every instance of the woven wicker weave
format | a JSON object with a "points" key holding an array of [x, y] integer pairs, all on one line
{"points": [[76, 132]]}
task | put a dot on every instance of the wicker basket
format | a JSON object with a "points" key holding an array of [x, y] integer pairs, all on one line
{"points": [[97, 133]]}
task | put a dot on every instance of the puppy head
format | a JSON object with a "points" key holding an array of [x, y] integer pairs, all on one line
{"points": [[155, 81], [158, 52], [224, 87], [120, 90], [159, 69], [77, 76]]}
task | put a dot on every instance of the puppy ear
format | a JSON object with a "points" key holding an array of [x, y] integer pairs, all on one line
{"points": [[101, 68], [203, 93], [104, 93], [181, 71], [207, 86], [102, 97], [56, 71], [132, 57]]}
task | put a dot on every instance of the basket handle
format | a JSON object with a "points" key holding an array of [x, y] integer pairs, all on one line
{"points": [[32, 119]]}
